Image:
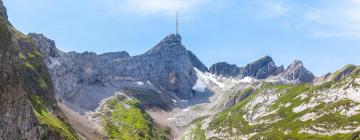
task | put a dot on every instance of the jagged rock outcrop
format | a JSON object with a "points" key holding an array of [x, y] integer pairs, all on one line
{"points": [[261, 69], [26, 90], [297, 73], [225, 69], [3, 12], [168, 67], [196, 62]]}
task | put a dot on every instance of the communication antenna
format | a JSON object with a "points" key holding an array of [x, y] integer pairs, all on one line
{"points": [[177, 23]]}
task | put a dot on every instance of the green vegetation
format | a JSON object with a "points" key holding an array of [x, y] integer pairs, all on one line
{"points": [[197, 133], [37, 83], [48, 120], [127, 121], [289, 126]]}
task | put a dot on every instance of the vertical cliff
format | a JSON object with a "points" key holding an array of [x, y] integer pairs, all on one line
{"points": [[27, 103]]}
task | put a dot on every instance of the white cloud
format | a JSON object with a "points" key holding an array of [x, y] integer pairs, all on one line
{"points": [[335, 19], [155, 7], [273, 9]]}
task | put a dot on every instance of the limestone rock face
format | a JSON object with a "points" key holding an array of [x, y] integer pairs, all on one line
{"points": [[297, 73], [82, 79], [168, 65], [261, 69], [225, 69]]}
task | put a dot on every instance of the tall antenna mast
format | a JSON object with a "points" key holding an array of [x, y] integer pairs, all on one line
{"points": [[177, 23]]}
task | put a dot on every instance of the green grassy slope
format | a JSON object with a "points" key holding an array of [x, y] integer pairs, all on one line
{"points": [[125, 120], [36, 81], [286, 123]]}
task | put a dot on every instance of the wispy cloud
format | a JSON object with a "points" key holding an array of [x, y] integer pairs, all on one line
{"points": [[155, 7], [335, 19], [272, 8]]}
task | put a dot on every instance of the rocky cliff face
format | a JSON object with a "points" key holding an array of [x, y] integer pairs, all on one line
{"points": [[261, 69], [225, 69], [168, 68], [168, 65], [297, 73], [3, 12], [16, 117], [27, 101]]}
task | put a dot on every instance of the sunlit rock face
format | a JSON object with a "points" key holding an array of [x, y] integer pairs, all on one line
{"points": [[297, 73]]}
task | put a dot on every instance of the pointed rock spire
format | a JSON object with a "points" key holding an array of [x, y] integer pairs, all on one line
{"points": [[296, 72]]}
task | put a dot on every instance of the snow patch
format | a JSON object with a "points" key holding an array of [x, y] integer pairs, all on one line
{"points": [[139, 83], [148, 82], [247, 80], [205, 79]]}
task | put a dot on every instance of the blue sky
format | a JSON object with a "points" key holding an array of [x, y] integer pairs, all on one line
{"points": [[324, 34]]}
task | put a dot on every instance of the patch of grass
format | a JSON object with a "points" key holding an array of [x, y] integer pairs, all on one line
{"points": [[197, 133], [126, 121], [50, 121]]}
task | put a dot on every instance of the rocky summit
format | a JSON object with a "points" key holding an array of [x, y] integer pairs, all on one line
{"points": [[261, 69], [225, 69], [297, 73]]}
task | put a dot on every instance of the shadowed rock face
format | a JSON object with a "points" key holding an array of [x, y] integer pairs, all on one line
{"points": [[297, 73], [3, 11], [16, 116], [168, 66], [225, 69], [17, 83], [261, 68]]}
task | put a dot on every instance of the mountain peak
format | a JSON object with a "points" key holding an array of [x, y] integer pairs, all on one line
{"points": [[45, 45], [297, 73], [266, 58], [172, 38], [172, 42], [225, 69], [261, 68], [296, 63]]}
